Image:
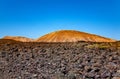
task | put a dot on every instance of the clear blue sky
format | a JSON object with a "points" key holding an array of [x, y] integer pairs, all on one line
{"points": [[34, 18]]}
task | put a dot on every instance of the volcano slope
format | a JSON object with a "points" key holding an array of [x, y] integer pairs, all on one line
{"points": [[80, 60], [72, 36], [18, 38]]}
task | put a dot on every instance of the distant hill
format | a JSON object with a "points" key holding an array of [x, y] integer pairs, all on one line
{"points": [[18, 38], [72, 36]]}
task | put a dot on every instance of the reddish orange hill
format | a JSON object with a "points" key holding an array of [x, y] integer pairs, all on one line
{"points": [[18, 38], [72, 36]]}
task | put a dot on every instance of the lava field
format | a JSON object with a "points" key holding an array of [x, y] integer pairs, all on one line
{"points": [[78, 60]]}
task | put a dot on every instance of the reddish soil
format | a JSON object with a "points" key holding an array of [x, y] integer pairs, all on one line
{"points": [[72, 36]]}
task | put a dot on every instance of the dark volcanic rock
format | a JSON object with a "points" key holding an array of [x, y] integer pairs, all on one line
{"points": [[59, 60]]}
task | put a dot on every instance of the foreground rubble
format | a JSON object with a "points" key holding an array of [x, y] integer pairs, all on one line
{"points": [[81, 60]]}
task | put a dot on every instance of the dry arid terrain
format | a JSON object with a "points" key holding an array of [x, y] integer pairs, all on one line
{"points": [[72, 36], [63, 36], [18, 38], [78, 60]]}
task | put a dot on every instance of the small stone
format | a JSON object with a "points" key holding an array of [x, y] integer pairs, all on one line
{"points": [[97, 76], [71, 76], [118, 71], [116, 75], [19, 77], [34, 75], [116, 78], [3, 54]]}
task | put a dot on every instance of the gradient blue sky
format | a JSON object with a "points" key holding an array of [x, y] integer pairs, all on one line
{"points": [[34, 18]]}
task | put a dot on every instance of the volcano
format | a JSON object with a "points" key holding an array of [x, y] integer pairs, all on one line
{"points": [[72, 36], [18, 38]]}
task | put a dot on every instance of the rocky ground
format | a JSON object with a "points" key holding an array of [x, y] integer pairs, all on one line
{"points": [[81, 60]]}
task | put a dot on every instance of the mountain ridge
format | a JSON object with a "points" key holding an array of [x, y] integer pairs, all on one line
{"points": [[72, 36], [18, 38], [63, 36]]}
